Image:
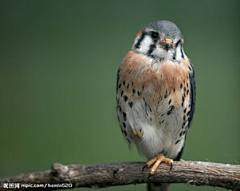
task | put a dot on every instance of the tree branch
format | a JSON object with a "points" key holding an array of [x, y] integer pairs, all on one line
{"points": [[103, 175]]}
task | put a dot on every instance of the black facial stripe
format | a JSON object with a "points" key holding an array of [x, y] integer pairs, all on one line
{"points": [[151, 49], [137, 45], [154, 35], [182, 51], [174, 55], [178, 42]]}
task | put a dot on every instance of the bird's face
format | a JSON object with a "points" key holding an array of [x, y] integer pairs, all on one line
{"points": [[161, 40]]}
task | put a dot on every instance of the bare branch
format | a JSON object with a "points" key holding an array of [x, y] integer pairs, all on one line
{"points": [[103, 175]]}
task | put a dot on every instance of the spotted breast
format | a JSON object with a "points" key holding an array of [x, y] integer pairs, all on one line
{"points": [[154, 103]]}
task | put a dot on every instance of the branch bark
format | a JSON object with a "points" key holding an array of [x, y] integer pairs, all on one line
{"points": [[104, 175]]}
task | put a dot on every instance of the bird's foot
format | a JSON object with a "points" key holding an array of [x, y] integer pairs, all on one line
{"points": [[156, 161], [138, 133]]}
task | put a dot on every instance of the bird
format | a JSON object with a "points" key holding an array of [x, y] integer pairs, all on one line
{"points": [[155, 95]]}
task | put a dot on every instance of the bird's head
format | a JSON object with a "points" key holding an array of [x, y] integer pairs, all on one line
{"points": [[160, 40]]}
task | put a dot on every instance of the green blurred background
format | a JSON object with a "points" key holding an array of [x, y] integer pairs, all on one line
{"points": [[58, 64]]}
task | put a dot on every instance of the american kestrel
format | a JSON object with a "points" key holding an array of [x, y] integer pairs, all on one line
{"points": [[156, 95]]}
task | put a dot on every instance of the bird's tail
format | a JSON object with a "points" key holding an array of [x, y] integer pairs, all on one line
{"points": [[157, 187]]}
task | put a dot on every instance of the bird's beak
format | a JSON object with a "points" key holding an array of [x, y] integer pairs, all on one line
{"points": [[167, 43]]}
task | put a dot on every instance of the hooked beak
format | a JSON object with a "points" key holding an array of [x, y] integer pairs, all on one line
{"points": [[167, 43]]}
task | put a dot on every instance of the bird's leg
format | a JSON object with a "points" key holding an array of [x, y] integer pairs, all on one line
{"points": [[156, 161]]}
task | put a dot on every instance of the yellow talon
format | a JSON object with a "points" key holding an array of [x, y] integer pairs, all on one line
{"points": [[138, 133], [156, 161]]}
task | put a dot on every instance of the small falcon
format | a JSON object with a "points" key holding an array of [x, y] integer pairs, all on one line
{"points": [[156, 95]]}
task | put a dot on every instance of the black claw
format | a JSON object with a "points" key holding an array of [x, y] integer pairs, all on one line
{"points": [[149, 176], [145, 166], [171, 165]]}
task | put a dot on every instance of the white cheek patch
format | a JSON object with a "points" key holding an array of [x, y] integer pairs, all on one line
{"points": [[145, 44], [178, 53]]}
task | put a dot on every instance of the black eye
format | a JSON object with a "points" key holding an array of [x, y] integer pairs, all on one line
{"points": [[154, 35]]}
